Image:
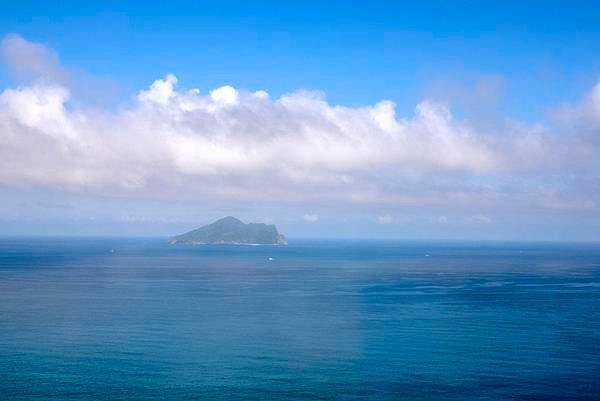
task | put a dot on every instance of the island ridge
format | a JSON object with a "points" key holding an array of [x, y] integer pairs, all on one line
{"points": [[232, 231]]}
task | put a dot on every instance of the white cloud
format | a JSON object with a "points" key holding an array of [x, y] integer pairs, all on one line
{"points": [[171, 135], [160, 92], [226, 95], [311, 217], [240, 145]]}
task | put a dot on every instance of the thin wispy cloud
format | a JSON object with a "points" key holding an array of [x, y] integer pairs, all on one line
{"points": [[29, 61], [311, 217], [385, 219]]}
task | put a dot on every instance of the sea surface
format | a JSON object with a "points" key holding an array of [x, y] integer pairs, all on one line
{"points": [[133, 319]]}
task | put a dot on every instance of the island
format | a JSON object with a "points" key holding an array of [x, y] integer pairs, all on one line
{"points": [[232, 231]]}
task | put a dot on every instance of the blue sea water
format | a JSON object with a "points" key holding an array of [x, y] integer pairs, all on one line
{"points": [[131, 319]]}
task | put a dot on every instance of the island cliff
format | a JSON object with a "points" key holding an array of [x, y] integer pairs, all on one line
{"points": [[230, 230]]}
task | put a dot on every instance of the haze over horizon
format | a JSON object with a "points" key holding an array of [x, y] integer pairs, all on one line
{"points": [[404, 121]]}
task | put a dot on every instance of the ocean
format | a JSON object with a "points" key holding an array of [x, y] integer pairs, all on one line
{"points": [[133, 319]]}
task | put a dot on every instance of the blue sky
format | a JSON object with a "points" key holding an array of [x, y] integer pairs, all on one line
{"points": [[516, 80], [356, 52]]}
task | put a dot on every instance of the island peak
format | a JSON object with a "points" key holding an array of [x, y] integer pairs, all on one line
{"points": [[232, 231]]}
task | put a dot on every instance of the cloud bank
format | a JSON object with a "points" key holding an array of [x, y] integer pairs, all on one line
{"points": [[232, 144]]}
